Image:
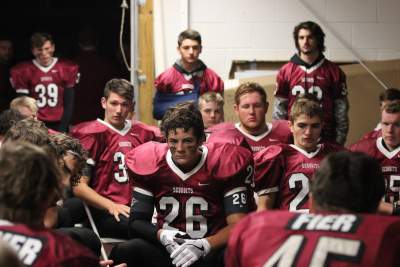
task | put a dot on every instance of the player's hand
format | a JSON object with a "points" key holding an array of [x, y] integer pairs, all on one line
{"points": [[117, 209], [189, 251], [167, 239]]}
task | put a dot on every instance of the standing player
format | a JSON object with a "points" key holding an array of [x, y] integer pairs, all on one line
{"points": [[346, 187], [105, 183], [30, 184], [199, 192], [310, 72], [386, 150], [49, 80], [251, 106], [283, 172], [189, 73]]}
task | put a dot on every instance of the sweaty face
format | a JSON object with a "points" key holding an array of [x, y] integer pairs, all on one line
{"points": [[6, 51], [211, 112], [307, 42], [190, 51], [251, 112], [44, 54], [116, 109], [391, 129], [306, 132], [184, 147]]}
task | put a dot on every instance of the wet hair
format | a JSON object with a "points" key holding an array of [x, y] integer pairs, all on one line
{"points": [[38, 39], [250, 87], [351, 181], [24, 101], [8, 118], [189, 34], [306, 104], [30, 182], [390, 94], [65, 144], [315, 30], [120, 87], [186, 116]]}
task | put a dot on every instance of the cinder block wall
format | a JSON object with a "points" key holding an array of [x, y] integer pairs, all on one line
{"points": [[262, 29]]}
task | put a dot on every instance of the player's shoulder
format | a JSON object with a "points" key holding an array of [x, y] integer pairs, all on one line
{"points": [[88, 128], [66, 63], [147, 158], [221, 126], [332, 147], [225, 160], [271, 152], [146, 132], [364, 145], [22, 66]]}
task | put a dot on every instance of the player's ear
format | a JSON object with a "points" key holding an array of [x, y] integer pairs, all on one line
{"points": [[103, 102], [236, 109], [290, 124]]}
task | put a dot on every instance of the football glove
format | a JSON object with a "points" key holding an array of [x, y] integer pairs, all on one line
{"points": [[167, 239], [189, 251]]}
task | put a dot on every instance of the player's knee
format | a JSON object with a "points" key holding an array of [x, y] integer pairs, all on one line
{"points": [[129, 251]]}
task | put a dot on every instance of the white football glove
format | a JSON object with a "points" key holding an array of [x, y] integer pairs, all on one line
{"points": [[189, 251], [167, 239]]}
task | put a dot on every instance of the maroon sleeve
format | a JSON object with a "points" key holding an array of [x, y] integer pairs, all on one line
{"points": [[213, 82], [18, 79], [339, 84], [269, 166], [70, 74], [164, 80], [234, 246], [282, 84]]}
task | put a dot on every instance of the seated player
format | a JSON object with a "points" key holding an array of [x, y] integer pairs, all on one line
{"points": [[386, 150], [8, 118], [30, 183], [199, 192], [283, 172], [26, 106], [251, 106], [388, 96], [105, 184], [339, 232], [211, 106]]}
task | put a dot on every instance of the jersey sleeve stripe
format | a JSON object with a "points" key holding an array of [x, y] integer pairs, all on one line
{"points": [[91, 162], [235, 190], [22, 91], [268, 191], [143, 191]]}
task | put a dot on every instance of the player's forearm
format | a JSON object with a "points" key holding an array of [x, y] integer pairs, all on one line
{"points": [[342, 120], [266, 202], [221, 237], [280, 109], [90, 196]]}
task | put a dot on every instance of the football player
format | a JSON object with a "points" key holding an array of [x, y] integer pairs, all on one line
{"points": [[385, 150], [310, 72], [339, 232], [211, 106], [30, 185], [251, 106], [199, 192], [283, 172], [49, 80], [105, 183]]}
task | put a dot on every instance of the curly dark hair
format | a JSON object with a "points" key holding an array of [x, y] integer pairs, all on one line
{"points": [[7, 119], [185, 115], [30, 182]]}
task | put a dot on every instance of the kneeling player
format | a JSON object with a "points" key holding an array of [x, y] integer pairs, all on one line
{"points": [[338, 234], [199, 191]]}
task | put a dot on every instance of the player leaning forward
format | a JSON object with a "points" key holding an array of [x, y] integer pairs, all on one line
{"points": [[199, 192]]}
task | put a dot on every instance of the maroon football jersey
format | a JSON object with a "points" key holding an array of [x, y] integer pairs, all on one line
{"points": [[389, 161], [41, 247], [281, 238], [287, 170], [377, 132], [192, 202], [230, 136], [173, 81], [107, 148], [46, 85], [325, 80], [278, 132]]}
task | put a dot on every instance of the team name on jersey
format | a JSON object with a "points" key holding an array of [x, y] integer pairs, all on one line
{"points": [[46, 79], [345, 223], [182, 190], [257, 148], [28, 248], [389, 169], [310, 165], [308, 80], [125, 144]]}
